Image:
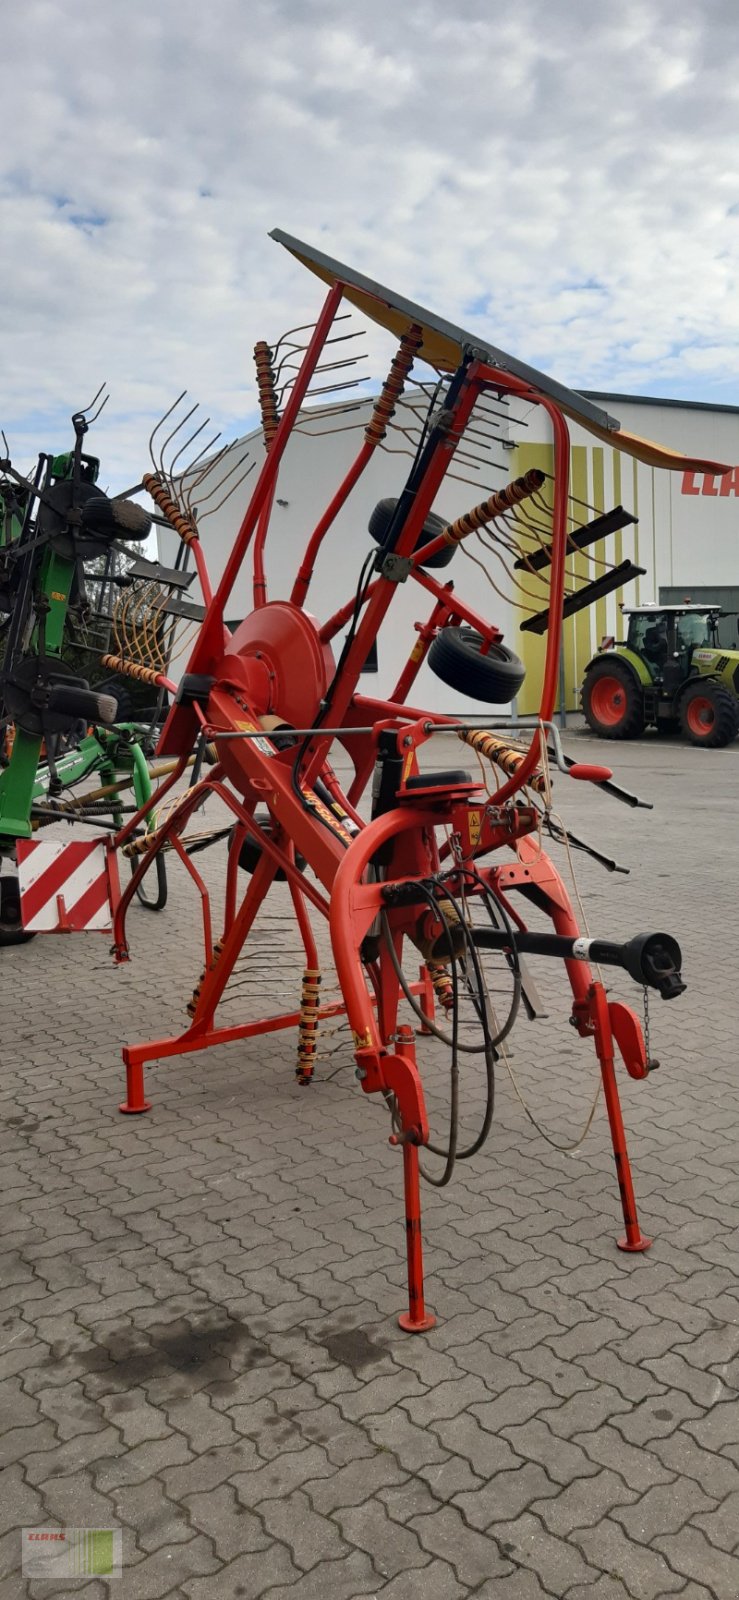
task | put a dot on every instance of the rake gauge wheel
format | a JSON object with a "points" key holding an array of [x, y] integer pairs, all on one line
{"points": [[379, 527], [495, 676]]}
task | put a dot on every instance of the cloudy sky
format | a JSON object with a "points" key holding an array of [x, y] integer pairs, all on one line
{"points": [[559, 174]]}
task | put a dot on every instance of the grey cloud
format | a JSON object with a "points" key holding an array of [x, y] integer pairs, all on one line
{"points": [[572, 167]]}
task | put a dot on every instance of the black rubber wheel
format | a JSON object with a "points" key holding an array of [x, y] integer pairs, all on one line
{"points": [[709, 715], [160, 899], [612, 700], [120, 691], [456, 656], [11, 926], [379, 525]]}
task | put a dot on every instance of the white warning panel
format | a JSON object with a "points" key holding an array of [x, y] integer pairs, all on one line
{"points": [[66, 886]]}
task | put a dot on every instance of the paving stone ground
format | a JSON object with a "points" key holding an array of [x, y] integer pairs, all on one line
{"points": [[198, 1340]]}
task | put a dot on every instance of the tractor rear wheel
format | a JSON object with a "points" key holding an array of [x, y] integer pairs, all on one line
{"points": [[709, 715], [612, 701]]}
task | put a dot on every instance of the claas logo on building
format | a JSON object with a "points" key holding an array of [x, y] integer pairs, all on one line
{"points": [[711, 483]]}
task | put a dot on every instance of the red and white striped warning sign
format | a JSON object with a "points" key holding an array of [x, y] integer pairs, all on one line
{"points": [[65, 886]]}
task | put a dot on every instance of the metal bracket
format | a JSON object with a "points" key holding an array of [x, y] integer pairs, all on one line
{"points": [[396, 568]]}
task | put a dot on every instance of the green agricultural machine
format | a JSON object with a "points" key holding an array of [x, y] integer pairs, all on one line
{"points": [[671, 673], [56, 529]]}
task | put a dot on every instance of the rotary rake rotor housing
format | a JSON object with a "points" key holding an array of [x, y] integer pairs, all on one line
{"points": [[273, 700]]}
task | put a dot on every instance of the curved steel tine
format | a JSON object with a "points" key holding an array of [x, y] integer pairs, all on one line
{"points": [[294, 350], [83, 410], [100, 408], [189, 479], [210, 462], [5, 443], [160, 424], [221, 481], [232, 490], [170, 436], [189, 482], [304, 327], [186, 446]]}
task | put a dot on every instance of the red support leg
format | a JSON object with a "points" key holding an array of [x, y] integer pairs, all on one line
{"points": [[633, 1239], [135, 1101], [416, 1319]]}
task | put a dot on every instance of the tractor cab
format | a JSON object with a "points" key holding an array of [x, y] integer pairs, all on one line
{"points": [[665, 637]]}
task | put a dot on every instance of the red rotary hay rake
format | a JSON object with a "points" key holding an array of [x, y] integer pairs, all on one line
{"points": [[439, 850]]}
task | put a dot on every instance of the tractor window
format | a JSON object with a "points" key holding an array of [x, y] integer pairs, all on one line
{"points": [[692, 631], [648, 635]]}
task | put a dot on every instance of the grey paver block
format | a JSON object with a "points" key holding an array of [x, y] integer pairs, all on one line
{"points": [[715, 1472], [562, 1459], [719, 1428], [251, 1576], [721, 1525], [414, 1447], [514, 1406], [20, 1504], [435, 1582], [310, 1537], [518, 1585], [506, 1495], [644, 1572], [350, 1485], [486, 1452], [473, 1555], [135, 1418], [144, 1507], [638, 1468], [205, 1472], [631, 1381], [449, 1399], [583, 1503], [153, 1576], [664, 1509], [692, 1554], [392, 1548], [346, 1579], [558, 1563], [232, 1529]]}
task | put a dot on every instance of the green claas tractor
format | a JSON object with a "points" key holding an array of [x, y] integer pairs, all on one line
{"points": [[671, 673]]}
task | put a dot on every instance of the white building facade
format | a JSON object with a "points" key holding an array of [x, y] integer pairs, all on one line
{"points": [[686, 535]]}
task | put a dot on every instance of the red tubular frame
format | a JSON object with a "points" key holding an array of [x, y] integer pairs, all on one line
{"points": [[260, 769]]}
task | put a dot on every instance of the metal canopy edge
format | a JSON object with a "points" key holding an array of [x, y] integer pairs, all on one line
{"points": [[443, 344]]}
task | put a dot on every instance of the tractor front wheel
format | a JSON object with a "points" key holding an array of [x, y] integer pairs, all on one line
{"points": [[708, 715], [612, 701]]}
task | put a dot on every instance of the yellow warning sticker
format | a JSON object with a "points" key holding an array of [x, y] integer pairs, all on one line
{"points": [[474, 823]]}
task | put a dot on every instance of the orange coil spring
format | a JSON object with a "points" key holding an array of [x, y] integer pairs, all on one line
{"points": [[130, 669], [393, 386], [192, 1004], [502, 500], [443, 986], [501, 754], [267, 391], [181, 524], [308, 1025]]}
